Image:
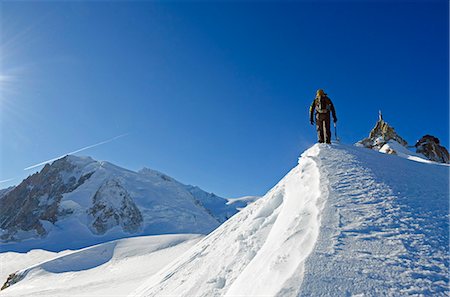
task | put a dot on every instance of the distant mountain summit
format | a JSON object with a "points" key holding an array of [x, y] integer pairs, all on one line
{"points": [[381, 134], [383, 138], [77, 201]]}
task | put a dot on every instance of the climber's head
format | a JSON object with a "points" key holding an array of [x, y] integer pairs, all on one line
{"points": [[320, 93]]}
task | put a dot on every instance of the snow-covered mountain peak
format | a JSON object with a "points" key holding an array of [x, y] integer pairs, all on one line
{"points": [[151, 173], [80, 161], [91, 202], [383, 138]]}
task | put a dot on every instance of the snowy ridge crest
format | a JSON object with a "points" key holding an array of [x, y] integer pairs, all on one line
{"points": [[259, 251], [345, 220]]}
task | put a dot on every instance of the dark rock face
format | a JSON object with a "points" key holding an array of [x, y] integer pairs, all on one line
{"points": [[380, 135], [3, 192], [37, 198], [113, 206], [430, 147], [12, 279]]}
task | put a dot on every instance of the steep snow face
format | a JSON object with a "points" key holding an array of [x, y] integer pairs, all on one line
{"points": [[109, 269], [242, 202], [77, 201], [259, 251], [346, 221]]}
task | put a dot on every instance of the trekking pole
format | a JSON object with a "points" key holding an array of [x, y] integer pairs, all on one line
{"points": [[335, 133]]}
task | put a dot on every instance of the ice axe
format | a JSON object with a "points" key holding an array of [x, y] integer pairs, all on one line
{"points": [[335, 133]]}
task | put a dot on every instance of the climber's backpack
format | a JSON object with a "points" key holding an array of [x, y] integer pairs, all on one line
{"points": [[323, 104]]}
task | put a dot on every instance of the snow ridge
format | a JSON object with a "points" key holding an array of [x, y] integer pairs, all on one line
{"points": [[378, 236], [347, 221], [259, 251]]}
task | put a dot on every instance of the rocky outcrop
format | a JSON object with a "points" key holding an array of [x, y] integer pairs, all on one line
{"points": [[12, 279], [36, 199], [430, 147], [112, 206], [3, 192], [381, 134]]}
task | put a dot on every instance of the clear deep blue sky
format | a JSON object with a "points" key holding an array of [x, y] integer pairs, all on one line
{"points": [[214, 94]]}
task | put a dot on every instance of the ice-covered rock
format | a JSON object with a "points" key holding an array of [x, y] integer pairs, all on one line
{"points": [[430, 147], [112, 206]]}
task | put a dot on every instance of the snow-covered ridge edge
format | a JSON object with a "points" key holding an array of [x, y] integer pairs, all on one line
{"points": [[259, 251], [122, 254]]}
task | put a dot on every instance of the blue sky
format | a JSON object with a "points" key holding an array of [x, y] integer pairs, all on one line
{"points": [[215, 94]]}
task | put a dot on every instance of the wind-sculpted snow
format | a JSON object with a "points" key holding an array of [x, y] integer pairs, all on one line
{"points": [[385, 227], [383, 223], [110, 269], [260, 251]]}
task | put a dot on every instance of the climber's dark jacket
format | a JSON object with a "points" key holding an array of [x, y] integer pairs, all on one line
{"points": [[322, 106]]}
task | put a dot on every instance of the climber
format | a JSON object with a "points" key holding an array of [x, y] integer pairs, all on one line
{"points": [[322, 105]]}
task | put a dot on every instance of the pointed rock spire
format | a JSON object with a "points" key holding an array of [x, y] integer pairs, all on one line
{"points": [[381, 134]]}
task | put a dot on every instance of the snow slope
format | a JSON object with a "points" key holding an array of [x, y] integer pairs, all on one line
{"points": [[242, 202], [396, 148], [107, 203], [109, 269], [385, 230], [11, 262], [260, 251], [345, 221]]}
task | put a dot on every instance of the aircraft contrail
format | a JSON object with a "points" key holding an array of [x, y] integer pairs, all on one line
{"points": [[6, 180], [77, 151]]}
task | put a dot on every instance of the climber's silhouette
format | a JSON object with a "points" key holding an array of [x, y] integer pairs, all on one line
{"points": [[322, 106]]}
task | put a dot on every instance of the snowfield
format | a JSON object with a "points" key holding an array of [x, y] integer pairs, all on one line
{"points": [[108, 269], [346, 221]]}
